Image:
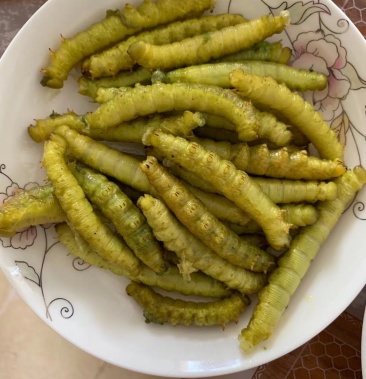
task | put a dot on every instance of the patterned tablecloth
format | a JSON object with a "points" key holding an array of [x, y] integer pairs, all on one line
{"points": [[336, 351]]}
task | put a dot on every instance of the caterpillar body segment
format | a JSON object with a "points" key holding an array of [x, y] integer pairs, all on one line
{"points": [[218, 74], [195, 216], [276, 163], [165, 309], [131, 131], [112, 29], [79, 212], [105, 159], [278, 97], [297, 191], [126, 169], [177, 238], [128, 220], [43, 128], [30, 207], [261, 51], [236, 185], [280, 191], [160, 97], [294, 263], [89, 87], [115, 59], [172, 281], [207, 46], [163, 12]]}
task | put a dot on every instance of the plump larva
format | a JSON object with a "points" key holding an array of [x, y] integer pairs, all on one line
{"points": [[172, 281], [218, 74], [236, 185], [212, 45], [278, 97], [276, 163], [176, 237], [204, 225], [164, 309], [294, 263], [116, 58], [112, 29], [261, 51], [89, 87], [79, 212], [160, 97], [128, 220], [35, 206]]}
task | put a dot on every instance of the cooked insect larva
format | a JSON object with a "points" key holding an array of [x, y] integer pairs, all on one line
{"points": [[131, 131], [294, 263], [128, 220], [126, 169], [163, 11], [79, 212], [236, 185], [218, 74], [199, 285], [89, 87], [268, 92], [297, 191], [34, 206], [261, 51], [164, 309], [160, 97], [195, 216], [207, 46], [177, 238], [116, 58], [276, 163], [111, 30], [278, 190]]}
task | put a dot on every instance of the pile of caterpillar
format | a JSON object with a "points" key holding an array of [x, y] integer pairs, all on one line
{"points": [[226, 179]]}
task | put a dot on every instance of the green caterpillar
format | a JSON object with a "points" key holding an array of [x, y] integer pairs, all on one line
{"points": [[294, 263], [207, 46], [164, 309], [195, 216]]}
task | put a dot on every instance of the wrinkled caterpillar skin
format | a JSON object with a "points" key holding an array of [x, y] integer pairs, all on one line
{"points": [[131, 131], [276, 163], [300, 214], [126, 169], [160, 97], [89, 87], [35, 206], [43, 128], [195, 216], [293, 265], [171, 280], [105, 159], [261, 51], [268, 92], [116, 59], [297, 191], [134, 130], [236, 185], [128, 220], [278, 190], [164, 309], [163, 12], [208, 46], [79, 212], [177, 238], [218, 74], [112, 29]]}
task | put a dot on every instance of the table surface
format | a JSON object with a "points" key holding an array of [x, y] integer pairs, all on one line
{"points": [[36, 351]]}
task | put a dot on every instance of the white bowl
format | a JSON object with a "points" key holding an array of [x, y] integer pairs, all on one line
{"points": [[88, 306]]}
